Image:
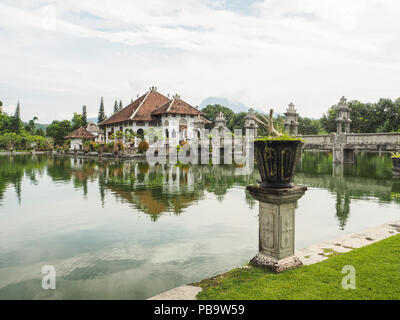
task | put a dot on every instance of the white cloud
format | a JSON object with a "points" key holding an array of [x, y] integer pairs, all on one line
{"points": [[310, 52], [9, 109]]}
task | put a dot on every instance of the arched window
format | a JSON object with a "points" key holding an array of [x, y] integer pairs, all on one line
{"points": [[167, 133], [140, 133], [183, 129]]}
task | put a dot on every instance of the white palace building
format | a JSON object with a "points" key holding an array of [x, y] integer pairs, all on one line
{"points": [[172, 118]]}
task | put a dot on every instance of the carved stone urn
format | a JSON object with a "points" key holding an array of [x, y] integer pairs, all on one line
{"points": [[276, 160]]}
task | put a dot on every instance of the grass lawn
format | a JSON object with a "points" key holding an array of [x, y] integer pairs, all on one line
{"points": [[377, 277]]}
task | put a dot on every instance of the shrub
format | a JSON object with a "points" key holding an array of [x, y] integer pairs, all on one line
{"points": [[120, 146], [143, 147], [86, 146]]}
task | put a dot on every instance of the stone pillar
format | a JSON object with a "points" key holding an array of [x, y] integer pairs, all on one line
{"points": [[276, 227], [337, 153], [347, 127], [296, 130], [339, 127]]}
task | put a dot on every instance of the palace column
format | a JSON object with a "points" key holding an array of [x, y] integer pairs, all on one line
{"points": [[277, 227]]}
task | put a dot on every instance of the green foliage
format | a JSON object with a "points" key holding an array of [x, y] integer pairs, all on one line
{"points": [[129, 135], [86, 146], [30, 126], [102, 115], [77, 121], [84, 116], [17, 114], [211, 112], [7, 123], [119, 135], [16, 123], [237, 121], [40, 132], [309, 126], [10, 140], [383, 116], [58, 130], [284, 137], [24, 141], [116, 106]]}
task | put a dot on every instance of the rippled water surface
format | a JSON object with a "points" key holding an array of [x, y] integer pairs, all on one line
{"points": [[130, 230]]}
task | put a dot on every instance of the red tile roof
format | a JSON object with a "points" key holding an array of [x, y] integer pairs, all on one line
{"points": [[138, 110], [80, 134], [177, 106], [152, 104]]}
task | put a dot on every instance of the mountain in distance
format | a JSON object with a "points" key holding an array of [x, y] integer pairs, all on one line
{"points": [[234, 106]]}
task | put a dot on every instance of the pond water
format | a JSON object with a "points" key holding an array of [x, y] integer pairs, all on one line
{"points": [[130, 230]]}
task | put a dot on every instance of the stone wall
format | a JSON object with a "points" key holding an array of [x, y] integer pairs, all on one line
{"points": [[373, 138]]}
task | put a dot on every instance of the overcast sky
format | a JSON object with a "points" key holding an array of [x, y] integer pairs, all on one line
{"points": [[56, 56]]}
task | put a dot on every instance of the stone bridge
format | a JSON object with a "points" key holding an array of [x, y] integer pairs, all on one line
{"points": [[344, 145]]}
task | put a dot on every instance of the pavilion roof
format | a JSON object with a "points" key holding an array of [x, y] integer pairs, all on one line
{"points": [[80, 134], [140, 109]]}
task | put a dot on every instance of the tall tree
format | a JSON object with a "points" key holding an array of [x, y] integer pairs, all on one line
{"points": [[212, 111], [84, 116], [115, 106], [30, 127], [17, 114], [120, 105], [1, 107], [76, 121], [102, 114], [17, 123], [309, 126], [58, 130]]}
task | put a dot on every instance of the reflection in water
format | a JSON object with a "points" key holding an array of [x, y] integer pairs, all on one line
{"points": [[152, 190], [130, 230], [369, 177]]}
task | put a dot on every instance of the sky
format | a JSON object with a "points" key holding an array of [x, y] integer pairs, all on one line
{"points": [[56, 56]]}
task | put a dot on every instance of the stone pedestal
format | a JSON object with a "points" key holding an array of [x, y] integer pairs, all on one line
{"points": [[276, 227]]}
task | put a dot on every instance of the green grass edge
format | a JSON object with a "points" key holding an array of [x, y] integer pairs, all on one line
{"points": [[377, 268]]}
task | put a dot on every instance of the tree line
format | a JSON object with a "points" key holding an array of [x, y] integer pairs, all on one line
{"points": [[382, 116], [237, 121]]}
